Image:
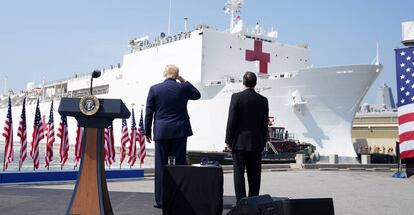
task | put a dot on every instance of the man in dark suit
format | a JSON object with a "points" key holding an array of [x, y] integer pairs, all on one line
{"points": [[167, 106], [246, 135]]}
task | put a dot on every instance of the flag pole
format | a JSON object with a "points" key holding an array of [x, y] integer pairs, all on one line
{"points": [[4, 159], [20, 158], [397, 153]]}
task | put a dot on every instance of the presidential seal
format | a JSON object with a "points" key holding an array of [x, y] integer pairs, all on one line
{"points": [[89, 105]]}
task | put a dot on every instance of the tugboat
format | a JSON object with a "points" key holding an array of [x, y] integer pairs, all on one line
{"points": [[282, 147]]}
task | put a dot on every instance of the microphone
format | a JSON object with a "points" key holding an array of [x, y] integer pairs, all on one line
{"points": [[95, 74]]}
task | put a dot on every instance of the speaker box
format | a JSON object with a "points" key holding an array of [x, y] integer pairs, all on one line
{"points": [[318, 206], [266, 205], [263, 204]]}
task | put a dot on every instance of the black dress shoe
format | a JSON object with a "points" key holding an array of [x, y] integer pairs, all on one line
{"points": [[157, 206]]}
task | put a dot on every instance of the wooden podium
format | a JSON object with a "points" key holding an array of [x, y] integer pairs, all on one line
{"points": [[90, 195]]}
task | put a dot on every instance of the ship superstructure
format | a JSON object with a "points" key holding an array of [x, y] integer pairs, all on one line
{"points": [[316, 104]]}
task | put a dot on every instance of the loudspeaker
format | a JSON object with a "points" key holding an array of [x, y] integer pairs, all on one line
{"points": [[319, 206], [259, 205], [266, 205]]}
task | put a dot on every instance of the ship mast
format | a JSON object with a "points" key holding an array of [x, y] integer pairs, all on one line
{"points": [[169, 20], [233, 7], [5, 84]]}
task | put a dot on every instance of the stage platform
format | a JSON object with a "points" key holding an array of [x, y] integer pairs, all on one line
{"points": [[62, 175], [353, 192]]}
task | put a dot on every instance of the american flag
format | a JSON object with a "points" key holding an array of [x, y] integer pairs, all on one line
{"points": [[21, 132], [8, 134], [50, 138], [124, 141], [38, 135], [64, 140], [133, 141], [141, 139], [109, 147], [78, 144], [405, 88]]}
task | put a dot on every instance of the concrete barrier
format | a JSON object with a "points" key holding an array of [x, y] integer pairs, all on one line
{"points": [[300, 158], [365, 159], [333, 159]]}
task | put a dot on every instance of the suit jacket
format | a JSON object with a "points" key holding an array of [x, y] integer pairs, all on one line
{"points": [[247, 124], [167, 106]]}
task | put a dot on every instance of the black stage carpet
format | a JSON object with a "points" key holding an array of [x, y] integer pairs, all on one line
{"points": [[18, 200]]}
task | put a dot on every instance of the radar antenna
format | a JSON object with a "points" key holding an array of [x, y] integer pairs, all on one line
{"points": [[233, 7]]}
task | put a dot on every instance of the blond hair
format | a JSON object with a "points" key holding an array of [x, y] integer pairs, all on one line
{"points": [[171, 71]]}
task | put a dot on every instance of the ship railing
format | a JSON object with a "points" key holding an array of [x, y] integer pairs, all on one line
{"points": [[81, 75], [158, 41], [258, 37], [58, 81]]}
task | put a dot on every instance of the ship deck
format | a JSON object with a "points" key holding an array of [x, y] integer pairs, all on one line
{"points": [[353, 192]]}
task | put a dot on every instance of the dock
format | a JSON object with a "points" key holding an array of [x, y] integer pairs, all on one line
{"points": [[368, 190]]}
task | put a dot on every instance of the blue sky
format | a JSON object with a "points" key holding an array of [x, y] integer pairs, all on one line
{"points": [[57, 39]]}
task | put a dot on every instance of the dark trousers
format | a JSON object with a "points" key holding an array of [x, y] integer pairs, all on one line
{"points": [[409, 166], [251, 161], [163, 149]]}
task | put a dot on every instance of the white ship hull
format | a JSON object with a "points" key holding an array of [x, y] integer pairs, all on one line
{"points": [[324, 119], [316, 104]]}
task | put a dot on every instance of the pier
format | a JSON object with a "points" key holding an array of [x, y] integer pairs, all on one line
{"points": [[354, 191]]}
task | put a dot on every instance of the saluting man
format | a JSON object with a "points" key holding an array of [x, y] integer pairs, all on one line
{"points": [[167, 106]]}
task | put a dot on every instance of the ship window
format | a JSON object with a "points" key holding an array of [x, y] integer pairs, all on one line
{"points": [[240, 49], [306, 60], [231, 47], [282, 76], [276, 55], [287, 57]]}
